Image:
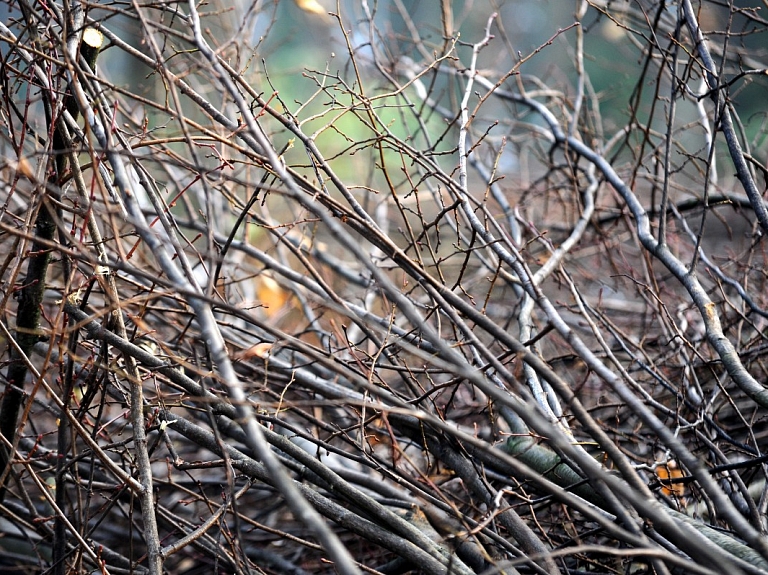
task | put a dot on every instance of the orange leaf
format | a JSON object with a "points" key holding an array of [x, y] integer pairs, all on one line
{"points": [[271, 295], [667, 472], [260, 350]]}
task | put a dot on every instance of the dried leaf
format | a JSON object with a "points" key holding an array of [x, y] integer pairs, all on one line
{"points": [[668, 473], [260, 350], [271, 295]]}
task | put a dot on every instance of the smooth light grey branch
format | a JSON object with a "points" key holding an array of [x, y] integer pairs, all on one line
{"points": [[726, 122], [706, 306]]}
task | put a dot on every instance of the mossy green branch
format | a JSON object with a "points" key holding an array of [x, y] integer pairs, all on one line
{"points": [[543, 459]]}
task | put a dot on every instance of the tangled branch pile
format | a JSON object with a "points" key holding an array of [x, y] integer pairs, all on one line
{"points": [[432, 308]]}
